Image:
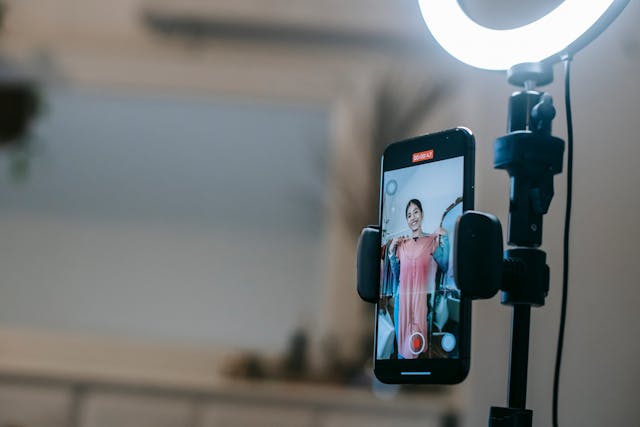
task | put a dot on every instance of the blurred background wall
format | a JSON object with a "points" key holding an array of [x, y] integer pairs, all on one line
{"points": [[179, 221]]}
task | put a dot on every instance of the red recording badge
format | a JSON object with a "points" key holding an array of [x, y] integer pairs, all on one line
{"points": [[422, 156]]}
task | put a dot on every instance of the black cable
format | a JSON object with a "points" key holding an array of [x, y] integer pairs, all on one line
{"points": [[567, 223]]}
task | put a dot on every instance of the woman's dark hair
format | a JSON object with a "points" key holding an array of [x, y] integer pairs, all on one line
{"points": [[415, 202]]}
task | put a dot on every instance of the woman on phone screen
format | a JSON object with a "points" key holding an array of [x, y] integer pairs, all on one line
{"points": [[413, 259]]}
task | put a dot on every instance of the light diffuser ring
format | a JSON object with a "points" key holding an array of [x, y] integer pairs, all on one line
{"points": [[563, 28]]}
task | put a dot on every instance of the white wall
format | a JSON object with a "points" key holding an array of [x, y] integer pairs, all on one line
{"points": [[174, 218]]}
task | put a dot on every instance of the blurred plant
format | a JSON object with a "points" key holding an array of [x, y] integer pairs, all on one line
{"points": [[3, 9], [19, 105], [400, 106], [295, 363]]}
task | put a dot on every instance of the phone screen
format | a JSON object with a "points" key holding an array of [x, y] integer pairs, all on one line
{"points": [[420, 313], [419, 302]]}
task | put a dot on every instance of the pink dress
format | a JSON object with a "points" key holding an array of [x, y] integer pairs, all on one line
{"points": [[417, 268]]}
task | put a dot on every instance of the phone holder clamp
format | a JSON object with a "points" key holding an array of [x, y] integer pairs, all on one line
{"points": [[482, 268], [368, 270]]}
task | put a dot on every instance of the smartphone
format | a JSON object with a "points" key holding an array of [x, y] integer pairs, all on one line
{"points": [[423, 326]]}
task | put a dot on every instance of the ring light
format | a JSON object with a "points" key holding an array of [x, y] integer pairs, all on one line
{"points": [[566, 29]]}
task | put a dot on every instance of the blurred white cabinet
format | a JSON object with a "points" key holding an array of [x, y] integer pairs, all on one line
{"points": [[133, 410], [252, 415], [34, 406], [87, 404], [366, 420]]}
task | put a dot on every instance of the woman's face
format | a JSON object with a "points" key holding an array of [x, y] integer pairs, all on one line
{"points": [[414, 217]]}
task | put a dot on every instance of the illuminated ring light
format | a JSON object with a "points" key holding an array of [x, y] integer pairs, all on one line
{"points": [[416, 336], [566, 29]]}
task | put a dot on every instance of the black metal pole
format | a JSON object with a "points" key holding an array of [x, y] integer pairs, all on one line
{"points": [[519, 356], [531, 156]]}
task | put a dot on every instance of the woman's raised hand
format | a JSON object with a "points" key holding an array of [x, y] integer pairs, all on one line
{"points": [[393, 245], [440, 231]]}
